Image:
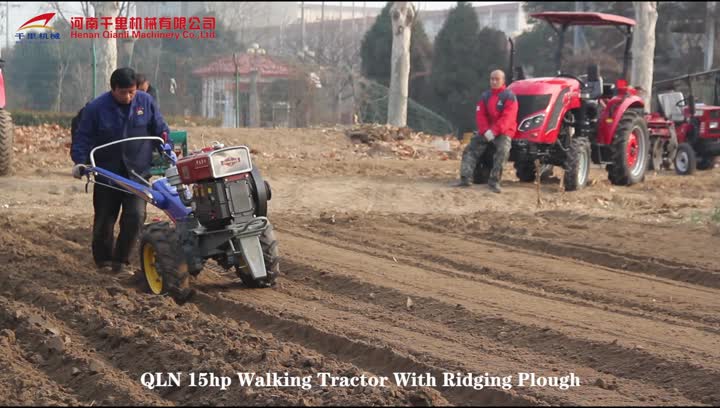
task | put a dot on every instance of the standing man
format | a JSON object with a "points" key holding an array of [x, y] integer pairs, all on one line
{"points": [[143, 84], [496, 117], [119, 114]]}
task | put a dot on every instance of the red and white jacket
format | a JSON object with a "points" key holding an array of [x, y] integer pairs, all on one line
{"points": [[497, 110]]}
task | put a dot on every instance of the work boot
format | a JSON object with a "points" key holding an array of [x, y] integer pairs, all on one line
{"points": [[464, 182], [120, 268], [494, 187], [104, 267]]}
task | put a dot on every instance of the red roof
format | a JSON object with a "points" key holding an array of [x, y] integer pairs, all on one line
{"points": [[226, 67], [580, 18]]}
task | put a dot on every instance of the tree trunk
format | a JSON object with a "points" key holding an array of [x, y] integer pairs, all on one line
{"points": [[107, 48], [710, 34], [643, 48], [403, 15]]}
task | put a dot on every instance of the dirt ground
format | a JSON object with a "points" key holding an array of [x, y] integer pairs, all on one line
{"points": [[385, 268]]}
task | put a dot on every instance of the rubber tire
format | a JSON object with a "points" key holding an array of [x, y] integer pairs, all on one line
{"points": [[705, 163], [170, 266], [578, 147], [525, 171], [6, 142], [685, 148], [618, 171], [271, 256]]}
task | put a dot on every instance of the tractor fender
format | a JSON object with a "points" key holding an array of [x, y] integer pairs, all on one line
{"points": [[611, 115], [262, 192], [2, 90], [253, 255]]}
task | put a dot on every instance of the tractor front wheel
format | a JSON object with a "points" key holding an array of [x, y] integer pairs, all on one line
{"points": [[706, 163], [162, 270], [685, 160], [525, 171], [577, 165], [630, 147], [6, 142]]}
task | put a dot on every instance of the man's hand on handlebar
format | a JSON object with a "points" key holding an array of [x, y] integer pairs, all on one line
{"points": [[79, 170]]}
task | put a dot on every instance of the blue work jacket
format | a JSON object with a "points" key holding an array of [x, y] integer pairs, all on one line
{"points": [[103, 121]]}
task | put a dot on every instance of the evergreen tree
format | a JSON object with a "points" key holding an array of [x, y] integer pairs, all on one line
{"points": [[456, 77]]}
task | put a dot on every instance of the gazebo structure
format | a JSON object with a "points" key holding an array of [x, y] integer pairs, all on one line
{"points": [[218, 86]]}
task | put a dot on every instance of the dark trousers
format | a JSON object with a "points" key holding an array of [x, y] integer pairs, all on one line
{"points": [[107, 203], [476, 148]]}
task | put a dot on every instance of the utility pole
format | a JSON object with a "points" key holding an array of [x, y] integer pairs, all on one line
{"points": [[364, 16], [577, 33], [321, 47], [341, 19], [302, 26], [237, 92], [7, 25]]}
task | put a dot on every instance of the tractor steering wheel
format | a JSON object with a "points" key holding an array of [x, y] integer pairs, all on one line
{"points": [[582, 84], [681, 103]]}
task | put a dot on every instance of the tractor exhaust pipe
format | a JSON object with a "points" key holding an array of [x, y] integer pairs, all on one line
{"points": [[511, 68]]}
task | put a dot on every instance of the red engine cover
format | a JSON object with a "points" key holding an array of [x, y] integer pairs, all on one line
{"points": [[194, 168]]}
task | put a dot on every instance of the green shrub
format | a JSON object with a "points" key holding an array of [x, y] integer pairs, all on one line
{"points": [[34, 118], [64, 119]]}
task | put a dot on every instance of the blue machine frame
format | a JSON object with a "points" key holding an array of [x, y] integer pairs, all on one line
{"points": [[159, 193]]}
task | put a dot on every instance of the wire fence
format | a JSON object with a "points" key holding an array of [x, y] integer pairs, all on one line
{"points": [[372, 106]]}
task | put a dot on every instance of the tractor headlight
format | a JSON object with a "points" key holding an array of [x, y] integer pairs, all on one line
{"points": [[532, 122], [713, 125]]}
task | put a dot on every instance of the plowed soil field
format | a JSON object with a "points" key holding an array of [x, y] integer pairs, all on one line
{"points": [[386, 269]]}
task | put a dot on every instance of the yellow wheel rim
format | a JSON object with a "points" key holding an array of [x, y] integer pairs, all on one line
{"points": [[154, 279]]}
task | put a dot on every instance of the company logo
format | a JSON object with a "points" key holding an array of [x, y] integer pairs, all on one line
{"points": [[231, 161], [48, 32], [143, 28]]}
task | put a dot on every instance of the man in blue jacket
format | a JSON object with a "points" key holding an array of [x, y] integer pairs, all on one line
{"points": [[121, 113]]}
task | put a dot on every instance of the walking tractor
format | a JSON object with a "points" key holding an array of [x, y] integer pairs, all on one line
{"points": [[571, 121], [217, 204]]}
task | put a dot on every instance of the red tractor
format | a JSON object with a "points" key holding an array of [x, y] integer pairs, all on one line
{"points": [[6, 130], [684, 131], [571, 121]]}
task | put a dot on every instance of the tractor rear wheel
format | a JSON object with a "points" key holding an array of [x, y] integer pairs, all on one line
{"points": [[6, 142], [685, 160], [271, 256], [630, 149], [577, 165], [162, 270]]}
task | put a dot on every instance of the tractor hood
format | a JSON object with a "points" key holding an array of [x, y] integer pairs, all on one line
{"points": [[541, 103]]}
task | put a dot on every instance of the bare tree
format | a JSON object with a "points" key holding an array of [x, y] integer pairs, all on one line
{"points": [[241, 15], [107, 48], [710, 33], [643, 47], [403, 15], [65, 60]]}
